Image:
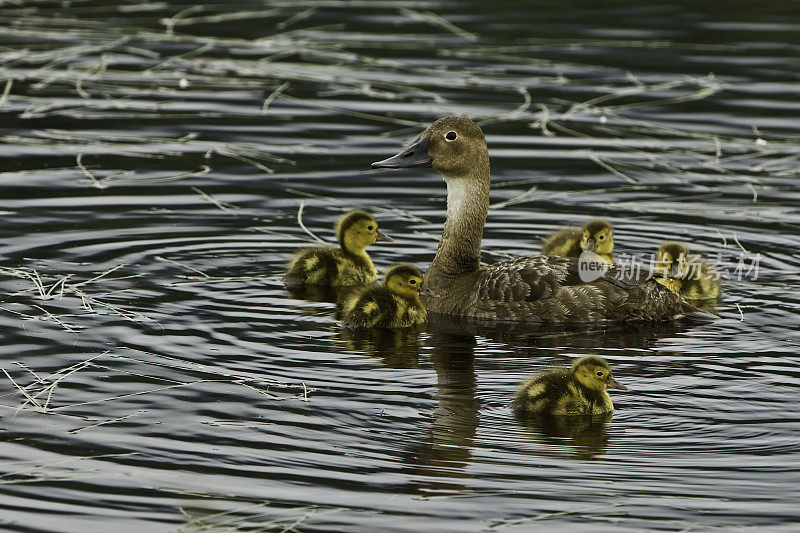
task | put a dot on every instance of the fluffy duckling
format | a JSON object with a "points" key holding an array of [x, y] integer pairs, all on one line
{"points": [[685, 274], [395, 304], [595, 236], [335, 267], [579, 390]]}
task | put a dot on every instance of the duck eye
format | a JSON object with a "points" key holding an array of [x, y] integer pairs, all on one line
{"points": [[451, 136], [599, 374], [601, 237], [369, 228], [412, 281]]}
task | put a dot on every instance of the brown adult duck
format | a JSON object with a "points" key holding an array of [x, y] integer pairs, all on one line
{"points": [[528, 289]]}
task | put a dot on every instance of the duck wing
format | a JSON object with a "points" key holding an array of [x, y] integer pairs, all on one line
{"points": [[540, 277], [550, 289], [529, 279]]}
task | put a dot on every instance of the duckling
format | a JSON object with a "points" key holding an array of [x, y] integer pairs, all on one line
{"points": [[532, 290], [395, 304], [685, 274], [579, 390], [596, 236], [347, 265]]}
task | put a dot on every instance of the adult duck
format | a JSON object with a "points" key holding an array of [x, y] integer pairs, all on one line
{"points": [[535, 289]]}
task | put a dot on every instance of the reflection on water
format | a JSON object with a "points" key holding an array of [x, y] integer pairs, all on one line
{"points": [[442, 457], [155, 161], [395, 348], [586, 436]]}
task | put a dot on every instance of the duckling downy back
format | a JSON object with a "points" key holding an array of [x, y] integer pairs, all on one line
{"points": [[347, 265]]}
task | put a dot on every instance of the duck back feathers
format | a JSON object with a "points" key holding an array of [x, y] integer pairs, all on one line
{"points": [[375, 308], [549, 290], [314, 266]]}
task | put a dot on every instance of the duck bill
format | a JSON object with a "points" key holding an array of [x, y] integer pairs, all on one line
{"points": [[382, 237], [614, 384], [415, 155], [676, 271], [591, 245], [427, 292]]}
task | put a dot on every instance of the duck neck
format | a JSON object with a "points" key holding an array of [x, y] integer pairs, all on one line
{"points": [[357, 254], [459, 249]]}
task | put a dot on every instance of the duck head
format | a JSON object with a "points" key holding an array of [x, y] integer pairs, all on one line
{"points": [[453, 146], [671, 260], [406, 282], [357, 230], [598, 237], [594, 373]]}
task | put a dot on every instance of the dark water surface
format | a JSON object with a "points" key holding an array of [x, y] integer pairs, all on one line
{"points": [[157, 375]]}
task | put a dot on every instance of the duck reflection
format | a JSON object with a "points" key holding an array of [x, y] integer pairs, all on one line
{"points": [[442, 457], [589, 336], [586, 436], [397, 348]]}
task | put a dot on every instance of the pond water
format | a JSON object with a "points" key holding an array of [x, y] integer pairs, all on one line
{"points": [[155, 158]]}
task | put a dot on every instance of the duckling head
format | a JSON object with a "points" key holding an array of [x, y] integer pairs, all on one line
{"points": [[598, 237], [404, 281], [357, 230], [671, 260], [454, 146], [594, 373]]}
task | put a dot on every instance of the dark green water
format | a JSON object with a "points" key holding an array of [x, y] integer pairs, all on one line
{"points": [[187, 390]]}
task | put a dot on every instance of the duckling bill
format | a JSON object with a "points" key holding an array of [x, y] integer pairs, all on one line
{"points": [[579, 390], [395, 304], [349, 264], [595, 236], [685, 274]]}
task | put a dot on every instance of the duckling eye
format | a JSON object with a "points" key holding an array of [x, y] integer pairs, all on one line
{"points": [[601, 237], [599, 374], [412, 281], [369, 228], [451, 136]]}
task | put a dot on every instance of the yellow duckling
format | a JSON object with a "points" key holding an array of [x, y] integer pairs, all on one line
{"points": [[335, 267], [395, 304], [579, 390], [685, 274], [596, 236]]}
